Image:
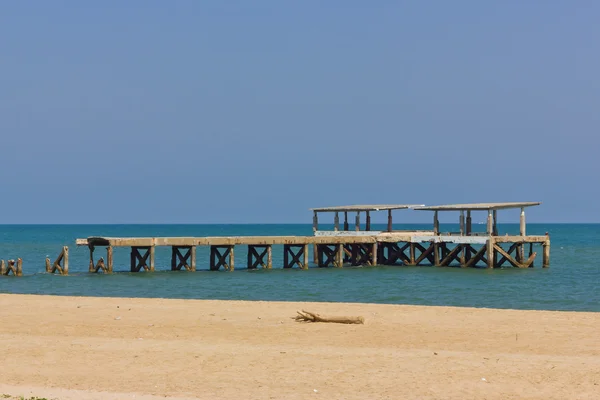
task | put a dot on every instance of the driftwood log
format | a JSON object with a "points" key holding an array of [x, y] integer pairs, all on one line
{"points": [[307, 316]]}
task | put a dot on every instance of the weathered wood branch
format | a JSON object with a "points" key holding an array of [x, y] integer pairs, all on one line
{"points": [[307, 316]]}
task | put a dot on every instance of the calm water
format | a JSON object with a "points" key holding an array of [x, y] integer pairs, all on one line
{"points": [[572, 282]]}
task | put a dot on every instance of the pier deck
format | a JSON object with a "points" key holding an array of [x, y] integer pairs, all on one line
{"points": [[382, 248]]}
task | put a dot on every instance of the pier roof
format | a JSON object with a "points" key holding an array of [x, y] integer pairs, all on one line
{"points": [[479, 206], [369, 207]]}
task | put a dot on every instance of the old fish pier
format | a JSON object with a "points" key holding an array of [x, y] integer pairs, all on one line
{"points": [[349, 243]]}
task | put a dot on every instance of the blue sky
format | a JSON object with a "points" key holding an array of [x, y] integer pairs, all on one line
{"points": [[237, 111]]}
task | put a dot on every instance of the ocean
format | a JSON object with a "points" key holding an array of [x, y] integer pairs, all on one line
{"points": [[572, 283]]}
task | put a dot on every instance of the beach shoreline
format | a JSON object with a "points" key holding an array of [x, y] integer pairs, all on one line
{"points": [[105, 347]]}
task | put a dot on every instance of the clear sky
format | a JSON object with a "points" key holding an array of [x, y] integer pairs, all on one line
{"points": [[254, 111]]}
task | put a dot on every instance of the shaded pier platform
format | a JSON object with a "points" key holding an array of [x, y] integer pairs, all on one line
{"points": [[342, 246]]}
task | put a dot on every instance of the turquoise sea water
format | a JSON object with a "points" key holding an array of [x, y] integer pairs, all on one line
{"points": [[571, 283]]}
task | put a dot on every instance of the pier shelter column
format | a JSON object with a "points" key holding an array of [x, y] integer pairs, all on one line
{"points": [[495, 228], [219, 257], [346, 227], [357, 222], [315, 228], [368, 225], [462, 222], [469, 224], [522, 222], [436, 223], [389, 221], [490, 223], [336, 222]]}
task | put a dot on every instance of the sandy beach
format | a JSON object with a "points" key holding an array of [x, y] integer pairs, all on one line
{"points": [[114, 348]]}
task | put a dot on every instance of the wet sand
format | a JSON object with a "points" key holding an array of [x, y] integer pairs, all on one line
{"points": [[113, 348]]}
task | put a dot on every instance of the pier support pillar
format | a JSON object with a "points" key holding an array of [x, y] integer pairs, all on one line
{"points": [[142, 257], [101, 265], [413, 259], [491, 253], [270, 257], [219, 256], [183, 257], [339, 256], [63, 258], [546, 254], [305, 253], [256, 256], [374, 252], [16, 267], [530, 253], [109, 259], [436, 254], [294, 255]]}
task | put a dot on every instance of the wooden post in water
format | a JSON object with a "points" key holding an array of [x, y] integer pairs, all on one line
{"points": [[231, 258], [389, 222]]}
